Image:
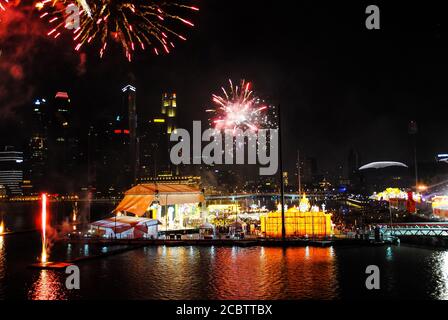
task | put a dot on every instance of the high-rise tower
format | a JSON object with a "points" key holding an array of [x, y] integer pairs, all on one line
{"points": [[169, 110], [62, 144], [38, 145], [130, 94], [11, 173], [353, 164]]}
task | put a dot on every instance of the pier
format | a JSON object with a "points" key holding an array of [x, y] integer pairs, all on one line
{"points": [[226, 242]]}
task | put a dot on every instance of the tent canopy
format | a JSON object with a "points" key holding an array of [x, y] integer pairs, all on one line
{"points": [[122, 224], [138, 199]]}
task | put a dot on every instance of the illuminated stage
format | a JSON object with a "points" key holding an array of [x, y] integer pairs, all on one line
{"points": [[304, 221]]}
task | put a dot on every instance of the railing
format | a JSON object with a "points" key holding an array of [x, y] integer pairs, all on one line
{"points": [[251, 195], [437, 229]]}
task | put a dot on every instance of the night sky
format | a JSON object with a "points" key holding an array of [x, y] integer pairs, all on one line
{"points": [[339, 84]]}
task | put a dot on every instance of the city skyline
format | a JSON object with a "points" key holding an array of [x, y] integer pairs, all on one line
{"points": [[293, 68], [118, 122]]}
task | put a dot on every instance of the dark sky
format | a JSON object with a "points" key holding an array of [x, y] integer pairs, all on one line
{"points": [[339, 84]]}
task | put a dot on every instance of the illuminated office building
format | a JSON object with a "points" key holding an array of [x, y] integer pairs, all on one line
{"points": [[62, 144], [38, 145], [11, 171], [130, 105], [154, 139], [169, 111], [52, 155]]}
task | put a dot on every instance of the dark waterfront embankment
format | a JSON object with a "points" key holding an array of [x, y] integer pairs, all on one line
{"points": [[125, 245], [228, 242]]}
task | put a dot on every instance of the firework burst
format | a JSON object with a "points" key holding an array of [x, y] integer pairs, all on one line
{"points": [[3, 5], [134, 24], [239, 108]]}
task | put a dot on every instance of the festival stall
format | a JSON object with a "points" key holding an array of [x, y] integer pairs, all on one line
{"points": [[304, 221], [175, 206], [440, 206], [123, 227]]}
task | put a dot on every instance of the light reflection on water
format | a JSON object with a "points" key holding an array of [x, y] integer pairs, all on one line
{"points": [[439, 268], [273, 272], [389, 254], [222, 273], [257, 273], [268, 273], [227, 273], [2, 265], [49, 285], [219, 272]]}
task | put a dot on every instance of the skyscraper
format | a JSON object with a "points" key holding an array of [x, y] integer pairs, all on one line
{"points": [[308, 170], [354, 164], [169, 111], [53, 146], [129, 99], [108, 151], [11, 171], [37, 146], [154, 148], [58, 129], [62, 145], [154, 138]]}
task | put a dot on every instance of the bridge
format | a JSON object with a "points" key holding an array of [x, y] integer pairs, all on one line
{"points": [[432, 229], [291, 196]]}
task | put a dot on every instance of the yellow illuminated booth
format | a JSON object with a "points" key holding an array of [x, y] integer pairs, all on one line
{"points": [[305, 221], [395, 195], [440, 206]]}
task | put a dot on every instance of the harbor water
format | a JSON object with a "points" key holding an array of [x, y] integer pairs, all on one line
{"points": [[217, 272]]}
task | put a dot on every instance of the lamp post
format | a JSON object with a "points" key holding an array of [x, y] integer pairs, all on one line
{"points": [[413, 131], [390, 216], [282, 184], [166, 216], [299, 173]]}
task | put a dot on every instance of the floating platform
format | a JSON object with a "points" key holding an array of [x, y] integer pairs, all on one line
{"points": [[50, 265], [11, 233], [208, 242]]}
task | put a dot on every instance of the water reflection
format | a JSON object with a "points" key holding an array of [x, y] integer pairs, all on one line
{"points": [[257, 273], [2, 265], [69, 251], [48, 286], [274, 273], [439, 269], [178, 272], [389, 254]]}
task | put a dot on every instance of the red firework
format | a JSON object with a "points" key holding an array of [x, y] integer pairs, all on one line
{"points": [[133, 24]]}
